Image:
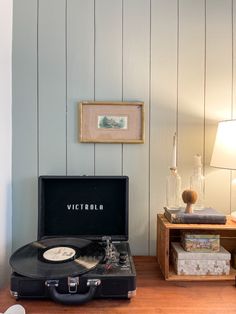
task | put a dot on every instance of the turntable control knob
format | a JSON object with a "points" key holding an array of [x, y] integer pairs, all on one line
{"points": [[122, 257]]}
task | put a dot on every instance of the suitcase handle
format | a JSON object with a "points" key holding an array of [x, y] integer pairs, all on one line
{"points": [[74, 298]]}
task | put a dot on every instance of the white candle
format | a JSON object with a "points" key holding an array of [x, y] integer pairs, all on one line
{"points": [[173, 164]]}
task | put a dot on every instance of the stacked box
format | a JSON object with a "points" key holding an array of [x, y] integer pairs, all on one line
{"points": [[195, 263], [192, 241]]}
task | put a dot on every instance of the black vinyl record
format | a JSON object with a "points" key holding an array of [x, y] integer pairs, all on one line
{"points": [[54, 258]]}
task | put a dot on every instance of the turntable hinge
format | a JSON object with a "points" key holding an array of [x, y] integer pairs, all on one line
{"points": [[73, 283], [52, 282], [109, 247]]}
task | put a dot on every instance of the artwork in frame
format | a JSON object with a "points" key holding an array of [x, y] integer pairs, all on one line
{"points": [[111, 122]]}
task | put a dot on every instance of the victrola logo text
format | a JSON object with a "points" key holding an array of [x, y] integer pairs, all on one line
{"points": [[84, 206]]}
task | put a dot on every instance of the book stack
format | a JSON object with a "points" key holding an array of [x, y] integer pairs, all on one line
{"points": [[204, 216]]}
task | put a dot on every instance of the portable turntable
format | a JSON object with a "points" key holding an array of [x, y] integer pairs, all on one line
{"points": [[82, 250]]}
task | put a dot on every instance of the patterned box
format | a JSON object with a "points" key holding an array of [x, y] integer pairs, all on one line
{"points": [[193, 241], [192, 263]]}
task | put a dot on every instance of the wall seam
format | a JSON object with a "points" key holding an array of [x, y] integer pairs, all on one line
{"points": [[232, 56], [122, 77], [177, 83], [232, 92], [37, 87], [66, 83], [149, 126], [94, 75], [204, 92]]}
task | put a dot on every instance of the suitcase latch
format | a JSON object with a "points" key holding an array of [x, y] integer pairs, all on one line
{"points": [[73, 283]]}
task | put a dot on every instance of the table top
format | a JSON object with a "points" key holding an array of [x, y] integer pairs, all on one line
{"points": [[154, 295]]}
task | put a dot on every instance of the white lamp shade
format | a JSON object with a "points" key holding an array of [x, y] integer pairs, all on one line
{"points": [[224, 152]]}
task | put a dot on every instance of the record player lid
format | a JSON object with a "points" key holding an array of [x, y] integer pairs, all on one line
{"points": [[83, 206]]}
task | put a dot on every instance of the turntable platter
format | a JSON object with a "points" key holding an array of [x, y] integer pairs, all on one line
{"points": [[54, 258]]}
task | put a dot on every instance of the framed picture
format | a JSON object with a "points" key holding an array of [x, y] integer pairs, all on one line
{"points": [[112, 122]]}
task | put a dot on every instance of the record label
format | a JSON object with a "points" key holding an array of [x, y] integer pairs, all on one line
{"points": [[59, 254]]}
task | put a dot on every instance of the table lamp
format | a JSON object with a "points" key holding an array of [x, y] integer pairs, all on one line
{"points": [[224, 151]]}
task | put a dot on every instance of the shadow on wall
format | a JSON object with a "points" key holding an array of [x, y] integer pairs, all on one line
{"points": [[5, 234]]}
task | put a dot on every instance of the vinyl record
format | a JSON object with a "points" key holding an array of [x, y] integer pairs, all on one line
{"points": [[55, 258]]}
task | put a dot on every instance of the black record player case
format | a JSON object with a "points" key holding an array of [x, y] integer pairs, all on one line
{"points": [[93, 212], [87, 206]]}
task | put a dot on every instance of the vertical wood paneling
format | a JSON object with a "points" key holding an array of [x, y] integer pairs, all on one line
{"points": [[120, 50], [190, 85], [108, 75], [136, 53], [163, 103], [80, 81], [24, 122], [218, 94], [6, 7], [52, 87]]}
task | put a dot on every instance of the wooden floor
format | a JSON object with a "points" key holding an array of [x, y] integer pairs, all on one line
{"points": [[154, 295]]}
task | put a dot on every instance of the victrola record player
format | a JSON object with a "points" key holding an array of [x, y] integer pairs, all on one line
{"points": [[82, 250]]}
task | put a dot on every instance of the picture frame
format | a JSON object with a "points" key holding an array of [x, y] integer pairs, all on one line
{"points": [[111, 122]]}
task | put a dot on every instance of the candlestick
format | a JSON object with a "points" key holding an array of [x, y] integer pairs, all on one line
{"points": [[173, 189], [173, 183], [197, 160], [197, 181], [173, 164]]}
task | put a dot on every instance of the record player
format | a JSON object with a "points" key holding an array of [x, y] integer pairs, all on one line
{"points": [[82, 250]]}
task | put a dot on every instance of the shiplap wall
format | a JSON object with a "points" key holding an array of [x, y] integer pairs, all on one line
{"points": [[5, 138], [175, 55]]}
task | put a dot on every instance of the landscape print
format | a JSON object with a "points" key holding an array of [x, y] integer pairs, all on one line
{"points": [[113, 122]]}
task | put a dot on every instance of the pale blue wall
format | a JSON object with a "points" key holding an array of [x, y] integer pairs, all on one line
{"points": [[5, 138], [176, 56]]}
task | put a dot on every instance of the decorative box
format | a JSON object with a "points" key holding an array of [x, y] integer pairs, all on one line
{"points": [[194, 263], [193, 241]]}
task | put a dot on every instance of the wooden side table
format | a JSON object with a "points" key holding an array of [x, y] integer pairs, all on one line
{"points": [[168, 232]]}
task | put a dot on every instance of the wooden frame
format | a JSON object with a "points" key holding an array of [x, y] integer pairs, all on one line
{"points": [[112, 122]]}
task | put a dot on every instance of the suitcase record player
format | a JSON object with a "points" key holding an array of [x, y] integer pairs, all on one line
{"points": [[82, 250]]}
